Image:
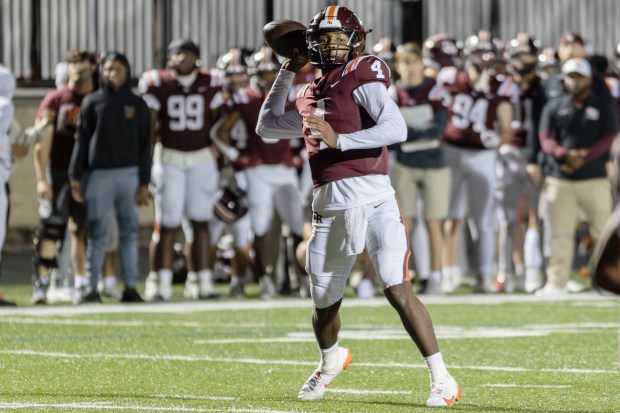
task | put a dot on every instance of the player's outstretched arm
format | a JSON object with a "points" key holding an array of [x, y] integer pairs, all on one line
{"points": [[273, 122]]}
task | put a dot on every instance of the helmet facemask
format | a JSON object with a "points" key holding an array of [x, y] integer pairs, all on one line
{"points": [[331, 48]]}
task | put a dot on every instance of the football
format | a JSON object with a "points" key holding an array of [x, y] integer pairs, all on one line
{"points": [[285, 35]]}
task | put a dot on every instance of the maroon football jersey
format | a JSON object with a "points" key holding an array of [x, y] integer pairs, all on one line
{"points": [[66, 105], [255, 151], [183, 115], [427, 93], [469, 111], [332, 95]]}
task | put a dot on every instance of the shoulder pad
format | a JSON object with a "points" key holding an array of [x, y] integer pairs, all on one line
{"points": [[149, 79], [368, 68]]}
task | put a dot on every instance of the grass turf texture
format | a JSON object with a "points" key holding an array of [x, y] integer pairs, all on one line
{"points": [[531, 356]]}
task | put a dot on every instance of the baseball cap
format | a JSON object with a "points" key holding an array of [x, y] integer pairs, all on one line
{"points": [[184, 45], [571, 37], [577, 65]]}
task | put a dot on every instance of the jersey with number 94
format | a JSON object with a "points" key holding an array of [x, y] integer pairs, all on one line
{"points": [[470, 112], [183, 112]]}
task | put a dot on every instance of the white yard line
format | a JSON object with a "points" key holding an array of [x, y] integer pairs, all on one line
{"points": [[191, 397], [253, 305], [289, 362], [527, 386], [133, 407], [368, 392], [360, 332], [100, 323]]}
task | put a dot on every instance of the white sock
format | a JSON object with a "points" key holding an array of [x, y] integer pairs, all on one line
{"points": [[80, 281], [532, 255], [329, 358], [152, 275], [435, 277], [165, 277], [192, 277], [436, 367], [205, 275], [165, 272], [109, 281], [519, 269]]}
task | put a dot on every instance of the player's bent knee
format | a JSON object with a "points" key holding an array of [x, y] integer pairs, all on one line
{"points": [[326, 290]]}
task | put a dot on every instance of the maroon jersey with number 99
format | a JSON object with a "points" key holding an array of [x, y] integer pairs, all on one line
{"points": [[183, 112]]}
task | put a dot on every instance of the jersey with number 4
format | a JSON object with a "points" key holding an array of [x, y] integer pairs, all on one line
{"points": [[182, 112], [470, 112], [331, 98]]}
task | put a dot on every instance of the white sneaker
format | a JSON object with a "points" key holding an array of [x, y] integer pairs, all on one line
{"points": [[574, 287], [551, 291], [267, 288], [533, 279], [452, 279], [109, 288], [151, 286], [433, 287], [191, 291], [59, 294], [39, 295], [314, 388], [206, 286], [365, 289], [444, 393]]}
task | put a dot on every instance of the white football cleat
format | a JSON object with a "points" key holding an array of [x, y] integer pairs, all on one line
{"points": [[314, 388], [444, 393], [192, 290], [533, 279], [267, 288], [206, 288]]}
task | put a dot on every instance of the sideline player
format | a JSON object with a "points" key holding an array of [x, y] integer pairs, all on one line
{"points": [[185, 176]]}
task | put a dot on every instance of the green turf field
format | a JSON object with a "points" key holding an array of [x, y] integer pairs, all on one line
{"points": [[509, 354]]}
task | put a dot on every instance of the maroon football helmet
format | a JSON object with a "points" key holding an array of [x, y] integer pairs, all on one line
{"points": [[481, 50], [385, 49], [440, 50], [335, 19], [522, 44], [264, 60], [233, 61], [231, 204]]}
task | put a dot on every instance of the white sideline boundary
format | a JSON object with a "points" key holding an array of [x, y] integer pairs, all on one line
{"points": [[289, 303]]}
